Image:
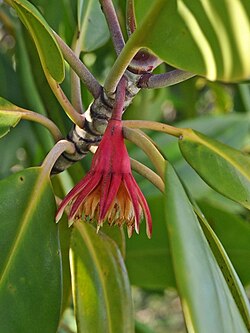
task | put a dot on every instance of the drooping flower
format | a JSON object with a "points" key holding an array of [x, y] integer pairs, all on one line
{"points": [[109, 191]]}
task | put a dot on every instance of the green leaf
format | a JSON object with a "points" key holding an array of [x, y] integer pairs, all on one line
{"points": [[92, 25], [30, 288], [226, 268], [101, 289], [48, 50], [209, 38], [117, 235], [64, 236], [148, 261], [208, 305], [7, 119], [234, 233], [224, 168]]}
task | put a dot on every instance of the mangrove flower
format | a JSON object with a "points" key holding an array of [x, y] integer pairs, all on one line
{"points": [[109, 191]]}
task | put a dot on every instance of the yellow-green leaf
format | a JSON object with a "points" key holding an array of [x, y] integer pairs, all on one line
{"points": [[8, 119], [48, 50], [209, 38], [101, 289], [225, 169], [30, 263], [208, 304], [227, 270]]}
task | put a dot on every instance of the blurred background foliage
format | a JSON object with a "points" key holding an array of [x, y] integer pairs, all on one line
{"points": [[219, 110]]}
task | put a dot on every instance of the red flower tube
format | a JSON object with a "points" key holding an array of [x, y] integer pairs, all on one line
{"points": [[109, 191]]}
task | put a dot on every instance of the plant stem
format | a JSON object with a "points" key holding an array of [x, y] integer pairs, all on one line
{"points": [[55, 153], [155, 126], [148, 147], [81, 70], [113, 24], [76, 96], [152, 81], [147, 173], [38, 118], [119, 68], [130, 17], [77, 118]]}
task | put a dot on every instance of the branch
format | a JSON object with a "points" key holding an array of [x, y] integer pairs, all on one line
{"points": [[113, 24], [130, 17], [81, 70], [152, 81]]}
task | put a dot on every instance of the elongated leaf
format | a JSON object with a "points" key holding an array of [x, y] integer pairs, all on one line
{"points": [[101, 290], [209, 38], [225, 169], [234, 233], [227, 270], [149, 262], [92, 25], [49, 52], [207, 302], [117, 235], [231, 129], [30, 281]]}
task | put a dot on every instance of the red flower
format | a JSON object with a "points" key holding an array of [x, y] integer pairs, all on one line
{"points": [[109, 191]]}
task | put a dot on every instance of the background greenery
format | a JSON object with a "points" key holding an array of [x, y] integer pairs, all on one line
{"points": [[219, 110]]}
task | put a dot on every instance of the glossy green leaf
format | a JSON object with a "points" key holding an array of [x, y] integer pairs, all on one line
{"points": [[63, 20], [101, 289], [208, 305], [7, 119], [209, 38], [227, 269], [30, 265], [49, 52], [117, 235], [92, 25], [225, 169], [234, 233], [148, 261], [64, 237]]}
